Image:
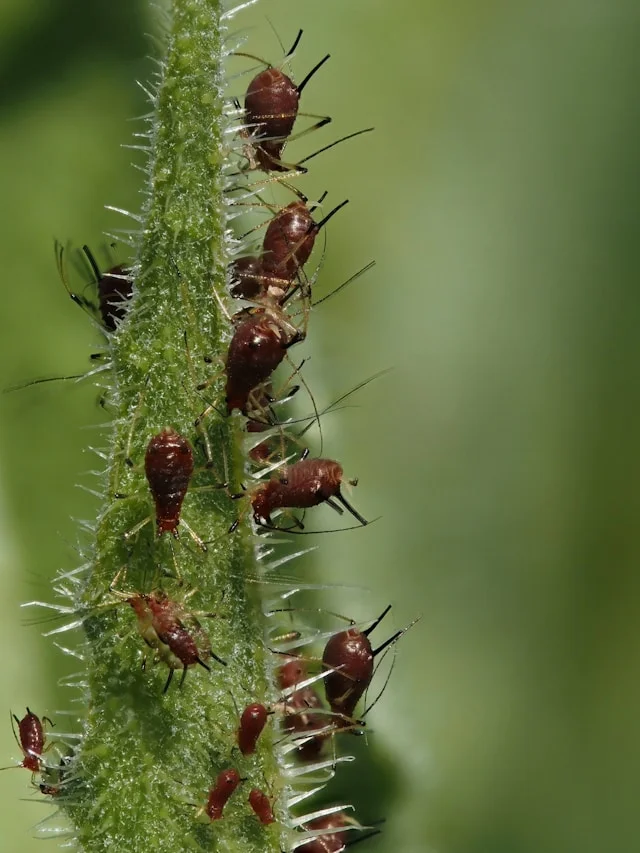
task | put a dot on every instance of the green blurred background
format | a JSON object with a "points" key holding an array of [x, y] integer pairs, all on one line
{"points": [[499, 196]]}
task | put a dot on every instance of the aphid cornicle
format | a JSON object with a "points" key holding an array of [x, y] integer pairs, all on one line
{"points": [[261, 804], [226, 783], [168, 465], [302, 485], [349, 657], [252, 722], [31, 739]]}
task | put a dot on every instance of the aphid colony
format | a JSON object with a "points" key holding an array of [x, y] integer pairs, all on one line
{"points": [[318, 697]]}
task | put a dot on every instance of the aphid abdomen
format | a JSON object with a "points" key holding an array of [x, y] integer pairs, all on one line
{"points": [[271, 105], [288, 242], [168, 465], [252, 722], [261, 804], [303, 719], [31, 737], [350, 657], [115, 289], [332, 842], [247, 278], [226, 783]]}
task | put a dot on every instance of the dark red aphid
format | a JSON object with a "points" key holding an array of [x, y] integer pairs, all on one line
{"points": [[296, 720], [261, 804], [252, 722], [331, 842], [303, 484], [168, 464], [115, 289], [173, 632], [226, 783], [271, 108], [350, 658], [30, 739], [259, 344], [288, 243]]}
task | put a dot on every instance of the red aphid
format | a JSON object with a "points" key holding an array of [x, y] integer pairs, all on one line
{"points": [[168, 465], [332, 842], [175, 634], [271, 108], [259, 344], [252, 722], [291, 673], [288, 243], [31, 740], [302, 485], [295, 706], [350, 658], [226, 783], [261, 804]]}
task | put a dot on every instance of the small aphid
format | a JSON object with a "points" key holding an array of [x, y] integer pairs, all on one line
{"points": [[261, 804], [302, 485], [296, 720], [331, 842], [271, 108], [226, 783], [349, 657], [287, 246], [174, 633], [168, 465], [259, 344], [30, 739], [252, 722]]}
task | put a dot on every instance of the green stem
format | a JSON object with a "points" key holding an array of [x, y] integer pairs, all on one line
{"points": [[148, 757]]}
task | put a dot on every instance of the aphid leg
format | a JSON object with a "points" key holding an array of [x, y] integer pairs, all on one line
{"points": [[137, 528], [170, 679], [192, 532]]}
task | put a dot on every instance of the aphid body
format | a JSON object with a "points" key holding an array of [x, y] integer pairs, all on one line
{"points": [[252, 722], [31, 740], [302, 485], [331, 842], [349, 657], [226, 783], [261, 804], [259, 344], [271, 109], [168, 465], [296, 720]]}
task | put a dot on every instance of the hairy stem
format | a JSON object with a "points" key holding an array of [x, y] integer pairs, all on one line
{"points": [[148, 758]]}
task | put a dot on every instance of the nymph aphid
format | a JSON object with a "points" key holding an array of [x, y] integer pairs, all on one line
{"points": [[30, 739], [252, 722], [173, 632], [261, 804], [331, 842], [302, 485], [168, 466], [226, 783]]}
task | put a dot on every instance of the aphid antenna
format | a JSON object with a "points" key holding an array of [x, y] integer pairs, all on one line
{"points": [[346, 283], [298, 532], [333, 144]]}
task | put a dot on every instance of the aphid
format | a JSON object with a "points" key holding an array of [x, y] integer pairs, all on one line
{"points": [[330, 842], [287, 245], [252, 722], [271, 108], [349, 657], [115, 288], [302, 485], [259, 344], [226, 783], [301, 708], [247, 278], [30, 739], [167, 627], [168, 465], [261, 804]]}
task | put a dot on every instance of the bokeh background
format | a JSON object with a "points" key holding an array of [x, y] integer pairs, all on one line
{"points": [[500, 198]]}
